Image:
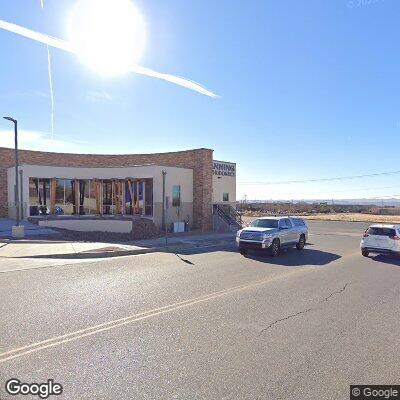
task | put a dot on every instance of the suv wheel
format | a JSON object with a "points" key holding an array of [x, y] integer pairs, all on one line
{"points": [[301, 243], [275, 247], [365, 253], [243, 252]]}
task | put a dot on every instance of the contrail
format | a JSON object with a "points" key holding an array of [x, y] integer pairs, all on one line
{"points": [[38, 37], [64, 45], [187, 83], [51, 90], [50, 83]]}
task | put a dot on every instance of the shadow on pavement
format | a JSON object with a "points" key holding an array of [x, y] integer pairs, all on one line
{"points": [[113, 250], [288, 258], [294, 258], [387, 259]]}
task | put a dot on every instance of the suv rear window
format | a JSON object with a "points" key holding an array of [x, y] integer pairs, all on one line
{"points": [[381, 231]]}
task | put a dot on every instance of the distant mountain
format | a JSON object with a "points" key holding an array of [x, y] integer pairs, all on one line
{"points": [[378, 202]]}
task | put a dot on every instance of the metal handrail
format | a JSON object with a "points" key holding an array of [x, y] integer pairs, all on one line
{"points": [[229, 214]]}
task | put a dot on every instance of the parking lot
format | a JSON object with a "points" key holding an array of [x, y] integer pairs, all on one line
{"points": [[208, 324]]}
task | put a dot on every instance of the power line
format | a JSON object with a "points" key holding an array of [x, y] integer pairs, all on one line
{"points": [[338, 178]]}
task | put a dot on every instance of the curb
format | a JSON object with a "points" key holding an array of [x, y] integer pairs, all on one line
{"points": [[163, 249]]}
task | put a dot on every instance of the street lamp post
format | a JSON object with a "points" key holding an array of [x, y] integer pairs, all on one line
{"points": [[18, 231], [164, 209], [16, 166]]}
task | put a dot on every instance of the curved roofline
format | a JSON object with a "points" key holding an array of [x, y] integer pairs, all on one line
{"points": [[107, 155]]}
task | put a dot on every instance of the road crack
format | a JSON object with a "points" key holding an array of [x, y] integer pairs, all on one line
{"points": [[285, 318], [307, 309], [335, 292]]}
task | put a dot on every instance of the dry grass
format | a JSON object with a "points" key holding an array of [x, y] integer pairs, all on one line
{"points": [[351, 217], [355, 217]]}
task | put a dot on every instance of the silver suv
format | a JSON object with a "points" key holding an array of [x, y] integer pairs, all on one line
{"points": [[272, 234]]}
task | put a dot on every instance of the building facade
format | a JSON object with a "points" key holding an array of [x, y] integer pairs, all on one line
{"points": [[224, 183], [59, 184]]}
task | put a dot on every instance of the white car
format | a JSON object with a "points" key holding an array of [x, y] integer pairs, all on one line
{"points": [[382, 239]]}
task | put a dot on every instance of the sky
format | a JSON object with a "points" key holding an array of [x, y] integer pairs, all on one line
{"points": [[308, 90]]}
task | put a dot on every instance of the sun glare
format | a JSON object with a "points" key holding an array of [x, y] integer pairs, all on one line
{"points": [[108, 35]]}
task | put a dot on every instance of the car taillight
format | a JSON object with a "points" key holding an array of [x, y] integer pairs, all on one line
{"points": [[395, 237]]}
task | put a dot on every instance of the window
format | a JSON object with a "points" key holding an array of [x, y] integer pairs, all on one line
{"points": [[176, 196], [39, 196], [33, 196], [108, 197], [148, 207], [60, 199], [140, 193], [225, 196], [33, 191], [85, 205], [298, 222], [285, 224], [265, 223], [65, 197], [381, 231], [136, 192], [69, 198]]}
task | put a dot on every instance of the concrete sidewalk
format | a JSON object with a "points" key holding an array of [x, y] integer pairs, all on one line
{"points": [[6, 225], [81, 250]]}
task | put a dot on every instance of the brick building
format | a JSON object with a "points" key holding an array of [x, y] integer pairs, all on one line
{"points": [[58, 184]]}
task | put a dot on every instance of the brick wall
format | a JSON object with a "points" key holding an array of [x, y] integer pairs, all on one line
{"points": [[200, 160]]}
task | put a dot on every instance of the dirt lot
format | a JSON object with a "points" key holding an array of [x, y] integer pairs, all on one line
{"points": [[395, 219]]}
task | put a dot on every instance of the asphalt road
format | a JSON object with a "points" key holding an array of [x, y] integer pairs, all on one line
{"points": [[208, 325]]}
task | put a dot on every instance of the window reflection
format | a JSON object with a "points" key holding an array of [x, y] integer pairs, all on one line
{"points": [[107, 197], [39, 196], [87, 197]]}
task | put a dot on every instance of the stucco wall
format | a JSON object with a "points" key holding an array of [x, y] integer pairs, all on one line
{"points": [[175, 176], [90, 225], [199, 160], [224, 184]]}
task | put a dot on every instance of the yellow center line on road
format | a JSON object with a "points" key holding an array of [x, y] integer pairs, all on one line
{"points": [[93, 330]]}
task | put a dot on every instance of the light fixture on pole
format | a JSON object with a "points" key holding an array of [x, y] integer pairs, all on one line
{"points": [[16, 197]]}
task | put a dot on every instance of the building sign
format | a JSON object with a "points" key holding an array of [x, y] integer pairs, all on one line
{"points": [[221, 168]]}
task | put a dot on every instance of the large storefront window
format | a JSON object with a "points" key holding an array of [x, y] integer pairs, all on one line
{"points": [[84, 197]]}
